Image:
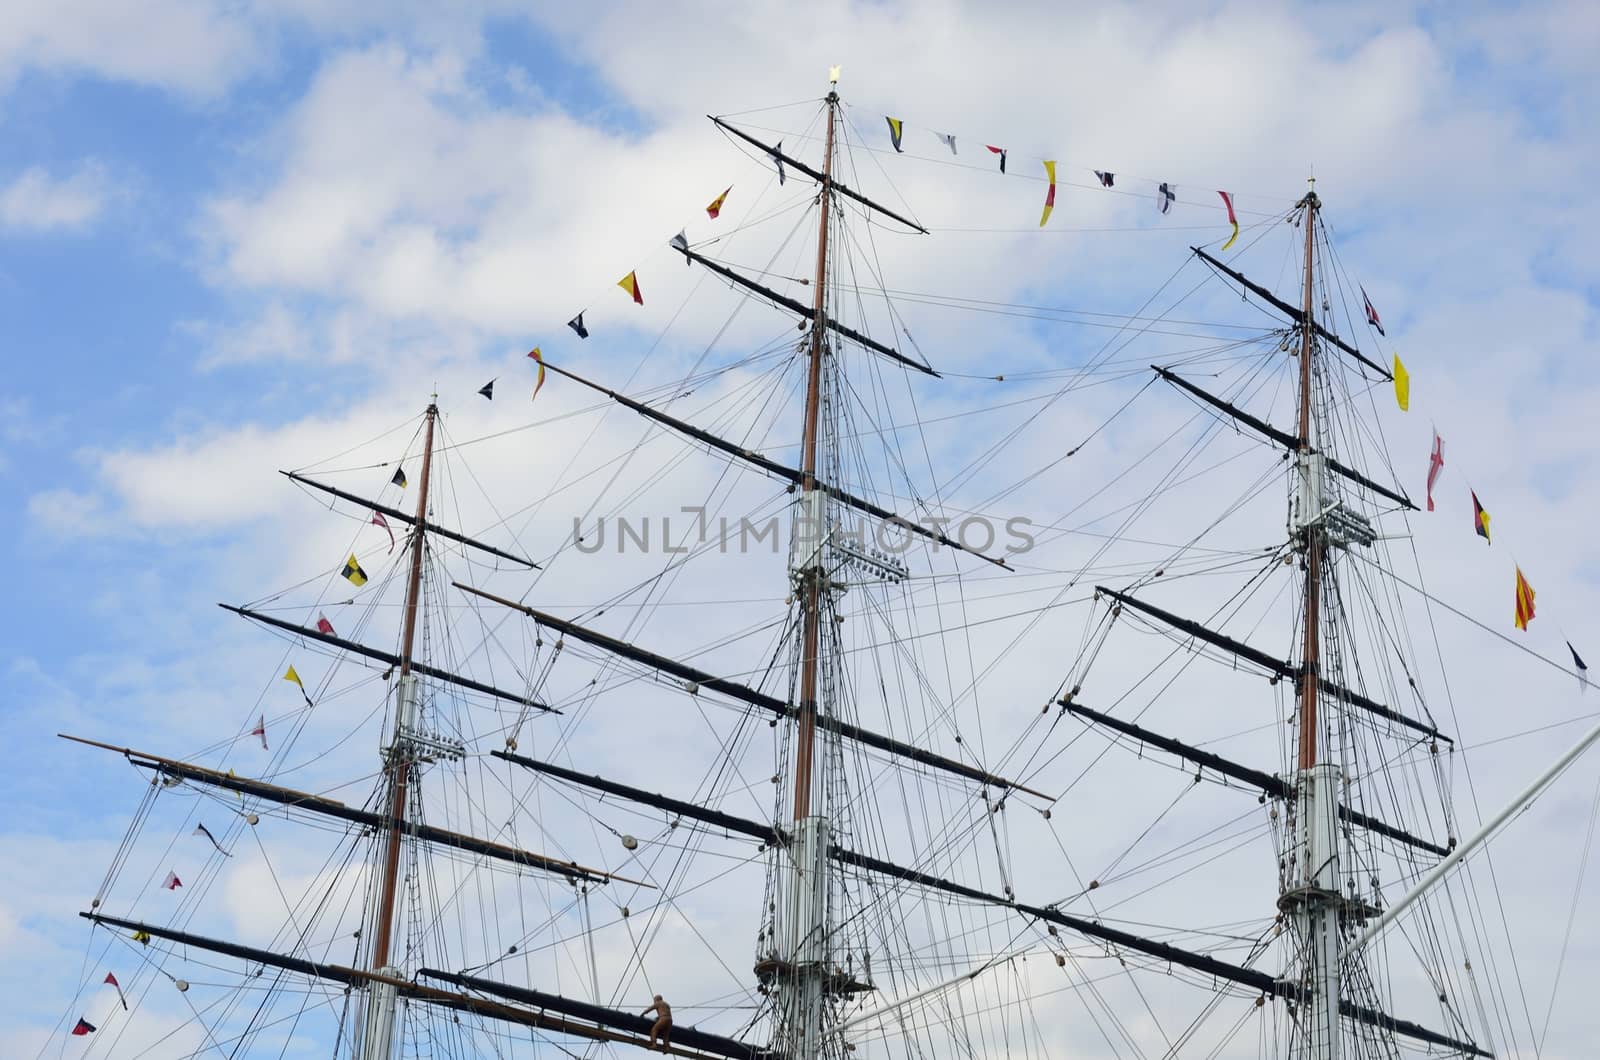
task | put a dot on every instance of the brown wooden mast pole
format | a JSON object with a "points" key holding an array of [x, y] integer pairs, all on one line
{"points": [[399, 763], [811, 591], [1310, 666]]}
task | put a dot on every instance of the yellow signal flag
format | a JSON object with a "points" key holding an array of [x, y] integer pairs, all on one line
{"points": [[1050, 192], [352, 571], [142, 937], [1402, 385], [715, 208], [630, 283], [538, 357], [290, 675]]}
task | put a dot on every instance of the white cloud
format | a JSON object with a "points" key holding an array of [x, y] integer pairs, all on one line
{"points": [[402, 188], [276, 334], [191, 46], [36, 201], [68, 513]]}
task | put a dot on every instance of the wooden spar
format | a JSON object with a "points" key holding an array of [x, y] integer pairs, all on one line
{"points": [[1310, 666], [1277, 666], [602, 1016], [804, 311], [289, 796], [1089, 928], [679, 807], [1283, 438], [389, 657], [1164, 951], [811, 590], [1271, 785], [399, 764], [528, 1017], [827, 179], [746, 694], [396, 513], [788, 474], [293, 799], [1294, 315]]}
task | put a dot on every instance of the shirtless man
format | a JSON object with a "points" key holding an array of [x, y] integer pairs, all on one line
{"points": [[663, 1024]]}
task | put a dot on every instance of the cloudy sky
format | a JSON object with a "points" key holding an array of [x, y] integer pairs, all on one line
{"points": [[239, 237]]}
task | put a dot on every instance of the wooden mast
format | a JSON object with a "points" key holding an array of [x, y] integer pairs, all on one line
{"points": [[1315, 894], [1310, 662], [811, 591], [400, 763]]}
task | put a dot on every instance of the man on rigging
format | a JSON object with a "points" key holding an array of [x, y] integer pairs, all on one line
{"points": [[663, 1024]]}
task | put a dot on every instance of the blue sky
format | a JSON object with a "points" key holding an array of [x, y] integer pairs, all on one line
{"points": [[235, 237]]}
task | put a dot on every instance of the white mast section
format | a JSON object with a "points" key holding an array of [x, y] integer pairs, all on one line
{"points": [[1478, 838], [900, 1003]]}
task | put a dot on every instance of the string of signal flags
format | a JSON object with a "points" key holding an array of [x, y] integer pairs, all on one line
{"points": [[1523, 596], [1166, 193], [1165, 197]]}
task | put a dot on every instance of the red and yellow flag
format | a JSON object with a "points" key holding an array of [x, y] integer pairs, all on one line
{"points": [[630, 283], [1227, 200], [1524, 601], [537, 356], [1050, 195], [716, 204]]}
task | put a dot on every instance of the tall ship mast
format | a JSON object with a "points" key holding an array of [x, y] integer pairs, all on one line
{"points": [[954, 779]]}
